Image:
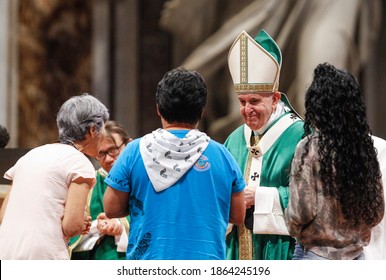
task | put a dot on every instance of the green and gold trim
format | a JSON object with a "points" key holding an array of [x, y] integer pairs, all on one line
{"points": [[255, 88], [243, 58]]}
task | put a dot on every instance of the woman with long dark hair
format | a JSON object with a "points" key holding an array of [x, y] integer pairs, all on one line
{"points": [[336, 193]]}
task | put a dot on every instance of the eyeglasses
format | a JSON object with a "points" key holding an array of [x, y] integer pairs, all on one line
{"points": [[112, 152]]}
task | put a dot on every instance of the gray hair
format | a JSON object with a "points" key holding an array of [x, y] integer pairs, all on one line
{"points": [[77, 115]]}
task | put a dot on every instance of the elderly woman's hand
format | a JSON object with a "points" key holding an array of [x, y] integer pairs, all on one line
{"points": [[86, 224]]}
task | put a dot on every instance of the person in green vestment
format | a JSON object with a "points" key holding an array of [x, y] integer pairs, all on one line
{"points": [[107, 239], [263, 147]]}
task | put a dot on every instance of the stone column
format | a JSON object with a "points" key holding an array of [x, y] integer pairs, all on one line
{"points": [[115, 59], [9, 68]]}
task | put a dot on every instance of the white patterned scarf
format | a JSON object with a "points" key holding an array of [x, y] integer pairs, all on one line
{"points": [[167, 158]]}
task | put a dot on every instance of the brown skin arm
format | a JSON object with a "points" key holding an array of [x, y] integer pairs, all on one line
{"points": [[115, 203], [237, 212], [74, 221]]}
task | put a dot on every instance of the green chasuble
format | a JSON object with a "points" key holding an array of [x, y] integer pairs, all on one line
{"points": [[105, 248], [275, 172]]}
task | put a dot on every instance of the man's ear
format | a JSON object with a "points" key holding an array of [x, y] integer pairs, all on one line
{"points": [[276, 98]]}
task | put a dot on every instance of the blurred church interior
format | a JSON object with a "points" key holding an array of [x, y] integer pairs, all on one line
{"points": [[118, 50]]}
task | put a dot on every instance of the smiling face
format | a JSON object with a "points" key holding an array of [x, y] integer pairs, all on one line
{"points": [[109, 151], [256, 108]]}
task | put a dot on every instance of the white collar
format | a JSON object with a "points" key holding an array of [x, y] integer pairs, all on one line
{"points": [[280, 109]]}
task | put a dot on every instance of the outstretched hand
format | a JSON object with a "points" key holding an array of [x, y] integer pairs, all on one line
{"points": [[109, 226], [249, 195]]}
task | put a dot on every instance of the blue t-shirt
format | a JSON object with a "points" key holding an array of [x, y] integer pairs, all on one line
{"points": [[189, 219]]}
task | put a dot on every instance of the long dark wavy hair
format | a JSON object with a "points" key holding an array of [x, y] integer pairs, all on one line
{"points": [[349, 168]]}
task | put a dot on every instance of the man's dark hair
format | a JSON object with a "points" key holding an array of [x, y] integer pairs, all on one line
{"points": [[181, 96]]}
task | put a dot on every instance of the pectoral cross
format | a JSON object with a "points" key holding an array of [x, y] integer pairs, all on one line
{"points": [[254, 176]]}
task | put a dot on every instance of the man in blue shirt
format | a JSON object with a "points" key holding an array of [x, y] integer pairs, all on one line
{"points": [[180, 188]]}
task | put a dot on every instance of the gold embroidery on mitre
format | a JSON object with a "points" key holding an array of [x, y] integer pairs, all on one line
{"points": [[243, 58], [245, 88]]}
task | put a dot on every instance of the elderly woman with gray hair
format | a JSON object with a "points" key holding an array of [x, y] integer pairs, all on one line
{"points": [[45, 205]]}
